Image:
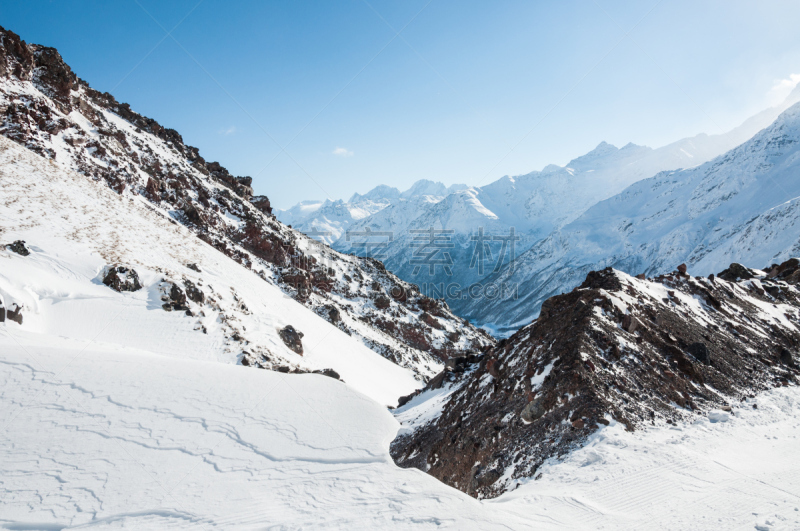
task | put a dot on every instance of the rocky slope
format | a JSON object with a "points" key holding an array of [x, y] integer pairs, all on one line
{"points": [[634, 350], [45, 107], [740, 207]]}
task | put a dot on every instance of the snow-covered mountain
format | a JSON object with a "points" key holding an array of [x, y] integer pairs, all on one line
{"points": [[476, 223], [47, 109], [635, 351], [328, 220], [742, 206]]}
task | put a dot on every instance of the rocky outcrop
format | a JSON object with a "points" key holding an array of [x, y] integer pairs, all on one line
{"points": [[292, 338], [617, 349], [122, 278], [19, 247]]}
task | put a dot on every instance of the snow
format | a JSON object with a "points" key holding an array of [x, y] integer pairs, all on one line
{"points": [[739, 207], [77, 227], [99, 436]]}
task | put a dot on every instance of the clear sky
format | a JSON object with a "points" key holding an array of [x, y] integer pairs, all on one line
{"points": [[322, 99]]}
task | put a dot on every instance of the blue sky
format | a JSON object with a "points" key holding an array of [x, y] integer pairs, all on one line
{"points": [[323, 99]]}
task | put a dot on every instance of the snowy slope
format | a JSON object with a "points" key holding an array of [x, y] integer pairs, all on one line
{"points": [[535, 205], [739, 207], [47, 109], [76, 228], [641, 352], [104, 437]]}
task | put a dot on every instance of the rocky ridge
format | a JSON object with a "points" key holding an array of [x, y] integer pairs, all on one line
{"points": [[616, 349], [45, 107]]}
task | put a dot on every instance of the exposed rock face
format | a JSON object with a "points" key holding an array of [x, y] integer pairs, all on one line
{"points": [[19, 247], [45, 107], [617, 348], [13, 315], [174, 298], [122, 278], [292, 338]]}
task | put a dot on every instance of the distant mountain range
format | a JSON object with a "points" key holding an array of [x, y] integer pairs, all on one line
{"points": [[456, 243]]}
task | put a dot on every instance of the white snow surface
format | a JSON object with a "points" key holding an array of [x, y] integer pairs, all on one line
{"points": [[99, 436], [76, 228]]}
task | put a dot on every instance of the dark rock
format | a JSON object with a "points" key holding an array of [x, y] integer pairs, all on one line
{"points": [[261, 202], [786, 357], [382, 302], [605, 279], [330, 373], [193, 292], [736, 272], [122, 278], [334, 315], [15, 314], [532, 411], [630, 324], [175, 299], [700, 352], [193, 267], [19, 247], [682, 269], [292, 338]]}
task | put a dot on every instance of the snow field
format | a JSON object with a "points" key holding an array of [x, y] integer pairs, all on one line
{"points": [[76, 227]]}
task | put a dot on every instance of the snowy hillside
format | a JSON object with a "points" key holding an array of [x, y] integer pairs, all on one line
{"points": [[50, 111], [329, 220], [98, 436], [635, 351], [77, 229], [739, 207], [534, 205]]}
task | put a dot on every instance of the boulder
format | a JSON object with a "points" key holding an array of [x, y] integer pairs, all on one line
{"points": [[19, 247], [334, 315], [605, 279], [292, 338], [736, 272], [533, 411], [682, 269], [261, 202], [122, 278], [382, 302], [175, 299], [193, 292], [15, 314]]}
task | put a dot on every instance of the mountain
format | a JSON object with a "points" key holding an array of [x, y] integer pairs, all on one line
{"points": [[47, 109], [329, 220], [741, 206], [617, 349], [473, 227]]}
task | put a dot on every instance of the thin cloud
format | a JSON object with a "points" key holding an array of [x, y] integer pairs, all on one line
{"points": [[228, 131], [342, 152], [782, 87]]}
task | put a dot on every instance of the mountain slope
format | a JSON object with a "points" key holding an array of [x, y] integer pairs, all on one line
{"points": [[617, 349], [77, 229], [739, 207], [478, 223], [49, 110], [328, 221]]}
